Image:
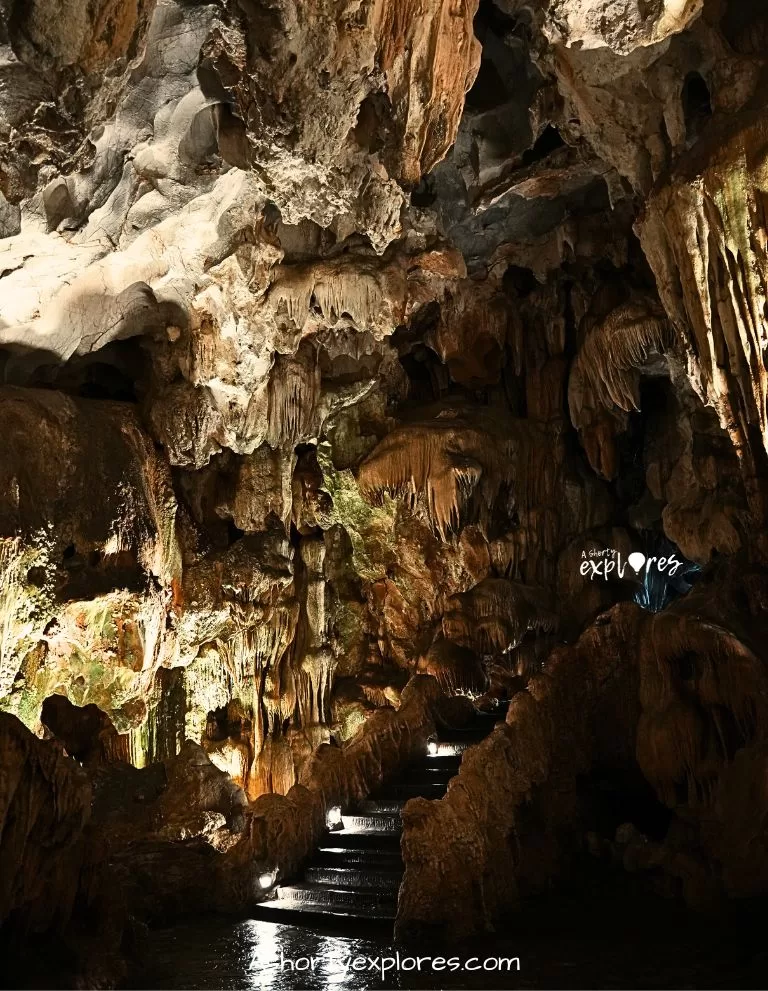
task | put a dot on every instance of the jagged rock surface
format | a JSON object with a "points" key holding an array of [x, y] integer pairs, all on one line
{"points": [[341, 342]]}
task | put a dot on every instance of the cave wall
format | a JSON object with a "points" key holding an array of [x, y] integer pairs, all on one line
{"points": [[335, 338]]}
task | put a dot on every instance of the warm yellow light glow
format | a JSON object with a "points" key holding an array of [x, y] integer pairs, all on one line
{"points": [[266, 880]]}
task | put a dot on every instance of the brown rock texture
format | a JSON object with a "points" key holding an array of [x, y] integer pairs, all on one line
{"points": [[509, 815], [44, 795], [350, 353], [55, 884], [704, 235], [700, 741]]}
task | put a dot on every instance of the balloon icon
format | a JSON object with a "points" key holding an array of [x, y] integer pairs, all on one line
{"points": [[637, 560]]}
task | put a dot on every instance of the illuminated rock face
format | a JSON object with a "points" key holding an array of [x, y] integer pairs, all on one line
{"points": [[705, 236], [334, 337]]}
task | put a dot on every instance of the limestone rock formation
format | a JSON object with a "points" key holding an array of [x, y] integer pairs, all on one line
{"points": [[513, 806], [360, 356], [55, 882], [710, 267]]}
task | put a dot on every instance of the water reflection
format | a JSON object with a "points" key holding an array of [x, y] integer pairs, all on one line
{"points": [[561, 943], [286, 957], [268, 956]]}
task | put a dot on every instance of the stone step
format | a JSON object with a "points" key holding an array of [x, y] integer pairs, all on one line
{"points": [[357, 878], [454, 747], [407, 791], [436, 771], [361, 841], [480, 726], [430, 775], [381, 822], [438, 768], [346, 900], [435, 765], [346, 855], [309, 913], [402, 791], [425, 776], [357, 870], [373, 805]]}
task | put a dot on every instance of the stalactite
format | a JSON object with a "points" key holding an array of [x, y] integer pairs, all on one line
{"points": [[445, 464], [313, 661], [604, 381], [166, 719], [138, 745], [496, 614], [605, 374], [294, 394], [472, 332], [279, 695], [254, 656], [208, 685], [458, 669], [315, 678], [261, 634], [274, 768], [704, 234], [369, 295], [150, 627], [263, 489]]}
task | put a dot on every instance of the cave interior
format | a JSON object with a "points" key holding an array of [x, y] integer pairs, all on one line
{"points": [[384, 406]]}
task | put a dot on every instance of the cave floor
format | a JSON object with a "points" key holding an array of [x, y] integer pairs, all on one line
{"points": [[594, 934]]}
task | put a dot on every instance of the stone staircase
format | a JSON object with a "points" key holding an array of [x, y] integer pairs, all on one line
{"points": [[356, 871]]}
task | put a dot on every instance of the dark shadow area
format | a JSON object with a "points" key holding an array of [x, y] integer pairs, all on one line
{"points": [[614, 796], [85, 575], [119, 371], [745, 26], [697, 105], [79, 728], [548, 141], [597, 930]]}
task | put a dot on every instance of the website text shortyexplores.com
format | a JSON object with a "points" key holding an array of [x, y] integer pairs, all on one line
{"points": [[397, 962]]}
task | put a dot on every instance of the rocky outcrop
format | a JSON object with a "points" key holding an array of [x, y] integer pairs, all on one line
{"points": [[181, 837], [89, 549], [173, 838], [510, 814], [604, 380], [700, 742], [702, 232], [342, 343], [682, 692], [44, 795], [55, 882]]}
